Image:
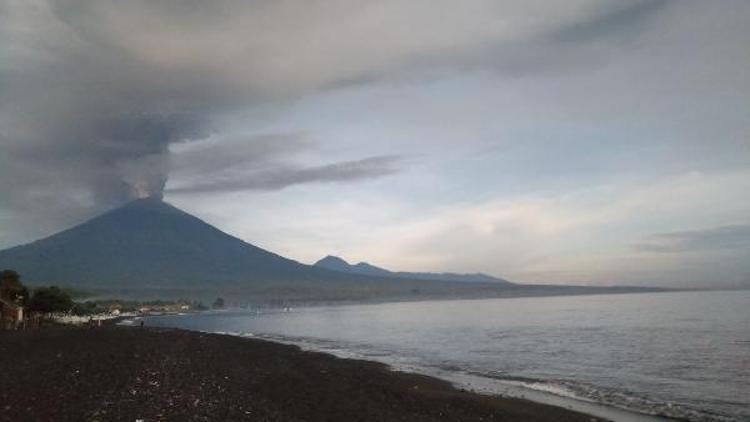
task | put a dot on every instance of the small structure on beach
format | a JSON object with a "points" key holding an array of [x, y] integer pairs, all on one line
{"points": [[11, 314], [115, 308]]}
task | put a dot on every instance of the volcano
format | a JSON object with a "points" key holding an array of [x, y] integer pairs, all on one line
{"points": [[148, 241], [149, 245]]}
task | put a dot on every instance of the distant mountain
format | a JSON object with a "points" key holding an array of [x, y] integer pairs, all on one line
{"points": [[338, 264], [334, 263], [150, 249]]}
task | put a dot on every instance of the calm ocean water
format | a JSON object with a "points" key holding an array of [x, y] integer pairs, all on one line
{"points": [[681, 354]]}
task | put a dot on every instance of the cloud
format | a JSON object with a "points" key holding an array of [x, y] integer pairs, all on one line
{"points": [[101, 101], [724, 237], [581, 236], [612, 22], [108, 85], [289, 175], [267, 162], [95, 95], [246, 152]]}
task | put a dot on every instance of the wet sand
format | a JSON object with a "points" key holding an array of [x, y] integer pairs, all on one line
{"points": [[130, 373]]}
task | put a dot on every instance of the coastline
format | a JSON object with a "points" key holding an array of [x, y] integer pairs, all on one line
{"points": [[129, 373], [488, 386], [420, 339]]}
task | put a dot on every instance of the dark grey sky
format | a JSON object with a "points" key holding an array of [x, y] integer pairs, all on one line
{"points": [[559, 141]]}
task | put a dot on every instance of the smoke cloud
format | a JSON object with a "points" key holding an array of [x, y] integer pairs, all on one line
{"points": [[285, 176], [94, 94]]}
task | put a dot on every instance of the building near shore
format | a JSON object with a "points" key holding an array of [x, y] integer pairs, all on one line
{"points": [[164, 308]]}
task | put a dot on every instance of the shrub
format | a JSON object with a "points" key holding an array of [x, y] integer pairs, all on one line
{"points": [[50, 299]]}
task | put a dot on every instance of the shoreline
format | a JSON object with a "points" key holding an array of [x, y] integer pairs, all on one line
{"points": [[488, 386], [130, 373], [627, 393]]}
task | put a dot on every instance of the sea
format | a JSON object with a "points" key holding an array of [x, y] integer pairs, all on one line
{"points": [[625, 357]]}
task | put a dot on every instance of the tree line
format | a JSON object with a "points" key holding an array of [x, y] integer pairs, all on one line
{"points": [[53, 299], [44, 299]]}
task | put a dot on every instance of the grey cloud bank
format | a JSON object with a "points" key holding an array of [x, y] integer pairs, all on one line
{"points": [[95, 93], [285, 176], [101, 102], [726, 237], [108, 86]]}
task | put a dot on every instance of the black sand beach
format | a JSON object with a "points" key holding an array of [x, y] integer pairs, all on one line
{"points": [[130, 374]]}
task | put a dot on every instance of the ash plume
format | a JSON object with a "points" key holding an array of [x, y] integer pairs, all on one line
{"points": [[94, 94]]}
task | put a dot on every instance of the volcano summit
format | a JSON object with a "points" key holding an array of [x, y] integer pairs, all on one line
{"points": [[150, 245]]}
